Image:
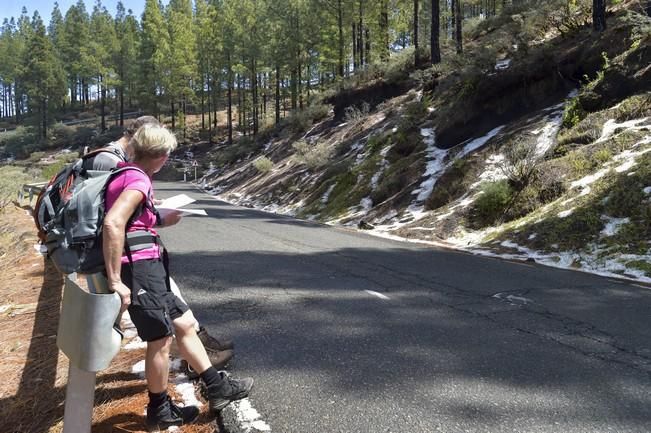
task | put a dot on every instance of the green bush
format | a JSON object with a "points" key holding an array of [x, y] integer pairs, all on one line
{"points": [[573, 113], [60, 135], [263, 164], [36, 156], [313, 155], [301, 120], [490, 205], [635, 107], [20, 142]]}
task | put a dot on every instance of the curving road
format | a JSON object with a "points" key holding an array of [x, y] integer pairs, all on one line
{"points": [[345, 332]]}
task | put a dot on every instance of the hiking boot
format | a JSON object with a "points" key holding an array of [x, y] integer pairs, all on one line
{"points": [[229, 389], [211, 343], [168, 414], [219, 359]]}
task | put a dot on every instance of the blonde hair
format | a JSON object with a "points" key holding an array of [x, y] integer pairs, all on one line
{"points": [[152, 141]]}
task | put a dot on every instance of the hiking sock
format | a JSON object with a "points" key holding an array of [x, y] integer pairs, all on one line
{"points": [[211, 377], [157, 400]]}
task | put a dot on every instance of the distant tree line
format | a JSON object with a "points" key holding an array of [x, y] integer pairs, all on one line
{"points": [[261, 58]]}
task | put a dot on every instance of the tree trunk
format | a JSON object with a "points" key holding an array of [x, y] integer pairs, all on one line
{"points": [[102, 102], [599, 15], [208, 89], [230, 100], [340, 22], [355, 64], [44, 117], [458, 20], [122, 105], [367, 49], [254, 85], [384, 28], [277, 94], [434, 36], [648, 7], [173, 115], [360, 37], [203, 109], [416, 54]]}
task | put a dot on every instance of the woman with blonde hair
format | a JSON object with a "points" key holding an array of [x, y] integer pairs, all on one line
{"points": [[140, 276]]}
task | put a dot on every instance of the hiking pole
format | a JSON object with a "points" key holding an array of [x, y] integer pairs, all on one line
{"points": [[88, 338]]}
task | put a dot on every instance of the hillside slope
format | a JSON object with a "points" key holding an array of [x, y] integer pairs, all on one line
{"points": [[546, 155]]}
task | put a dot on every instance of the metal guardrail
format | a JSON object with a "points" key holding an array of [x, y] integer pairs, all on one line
{"points": [[88, 338], [31, 189]]}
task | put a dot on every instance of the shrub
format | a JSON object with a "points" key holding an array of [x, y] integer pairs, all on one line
{"points": [[520, 164], [263, 164], [354, 114], [312, 155], [635, 107], [60, 135], [20, 142], [301, 120], [36, 156], [550, 183], [490, 205], [573, 113]]}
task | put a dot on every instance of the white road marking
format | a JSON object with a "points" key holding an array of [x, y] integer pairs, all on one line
{"points": [[248, 418], [379, 295]]}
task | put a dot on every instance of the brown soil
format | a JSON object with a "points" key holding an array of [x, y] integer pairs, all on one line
{"points": [[34, 372]]}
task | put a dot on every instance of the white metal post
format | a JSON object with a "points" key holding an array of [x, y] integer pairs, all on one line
{"points": [[80, 390]]}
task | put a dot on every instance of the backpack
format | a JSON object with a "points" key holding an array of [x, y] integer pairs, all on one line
{"points": [[73, 237], [58, 191]]}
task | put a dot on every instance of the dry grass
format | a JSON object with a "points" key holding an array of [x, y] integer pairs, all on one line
{"points": [[34, 372]]}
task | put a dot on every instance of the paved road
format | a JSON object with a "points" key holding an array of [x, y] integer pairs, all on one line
{"points": [[345, 332]]}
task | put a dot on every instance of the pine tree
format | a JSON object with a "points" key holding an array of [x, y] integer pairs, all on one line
{"points": [[154, 52], [43, 77], [126, 56]]}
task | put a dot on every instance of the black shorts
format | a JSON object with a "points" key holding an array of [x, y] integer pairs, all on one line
{"points": [[153, 305]]}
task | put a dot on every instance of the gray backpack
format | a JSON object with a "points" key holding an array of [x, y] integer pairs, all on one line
{"points": [[74, 236]]}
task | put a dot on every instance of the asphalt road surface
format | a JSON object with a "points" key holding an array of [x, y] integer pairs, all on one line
{"points": [[345, 332]]}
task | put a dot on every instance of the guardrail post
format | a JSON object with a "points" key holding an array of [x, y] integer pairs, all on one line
{"points": [[87, 337]]}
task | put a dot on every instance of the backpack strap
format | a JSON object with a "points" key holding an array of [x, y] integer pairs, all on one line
{"points": [[87, 159]]}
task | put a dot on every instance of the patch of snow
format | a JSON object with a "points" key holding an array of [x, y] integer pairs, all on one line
{"points": [[611, 126], [186, 389], [135, 343], [139, 368], [492, 170], [478, 142], [366, 203], [326, 195], [612, 225], [532, 236], [647, 190], [588, 180], [547, 134], [565, 213], [434, 169]]}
